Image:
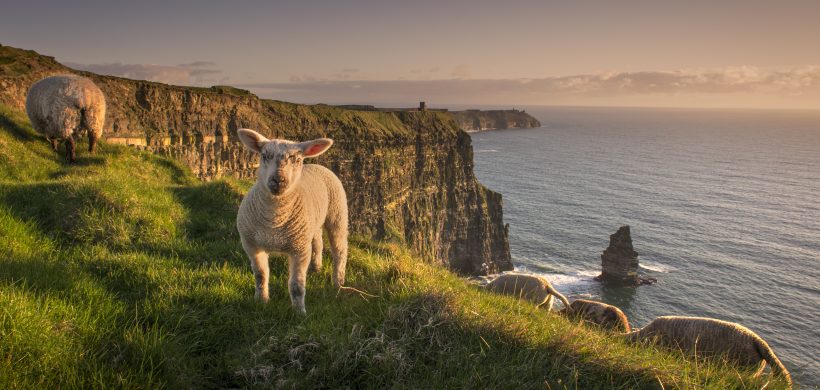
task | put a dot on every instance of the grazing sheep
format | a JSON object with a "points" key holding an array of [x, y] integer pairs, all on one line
{"points": [[62, 106], [712, 338], [608, 316], [286, 209], [534, 288]]}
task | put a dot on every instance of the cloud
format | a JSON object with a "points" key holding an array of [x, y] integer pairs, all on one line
{"points": [[737, 84], [461, 71], [194, 73], [199, 64]]}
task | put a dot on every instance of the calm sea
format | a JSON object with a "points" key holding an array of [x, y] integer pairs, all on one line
{"points": [[724, 208]]}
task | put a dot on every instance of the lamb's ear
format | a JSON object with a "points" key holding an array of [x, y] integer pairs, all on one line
{"points": [[251, 139], [315, 147]]}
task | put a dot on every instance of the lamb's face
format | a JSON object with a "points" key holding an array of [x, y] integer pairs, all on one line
{"points": [[280, 165]]}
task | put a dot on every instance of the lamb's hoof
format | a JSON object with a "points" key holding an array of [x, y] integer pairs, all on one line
{"points": [[313, 268]]}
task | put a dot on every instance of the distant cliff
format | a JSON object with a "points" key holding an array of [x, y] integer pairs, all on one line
{"points": [[408, 174], [470, 120], [477, 120]]}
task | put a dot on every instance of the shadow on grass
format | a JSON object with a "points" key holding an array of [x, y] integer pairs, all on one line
{"points": [[19, 132], [424, 340], [58, 209]]}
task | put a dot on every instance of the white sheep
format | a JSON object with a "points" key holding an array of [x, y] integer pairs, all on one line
{"points": [[286, 209], [709, 337], [61, 106], [607, 316], [534, 288]]}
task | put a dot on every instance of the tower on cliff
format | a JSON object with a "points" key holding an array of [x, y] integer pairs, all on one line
{"points": [[422, 106]]}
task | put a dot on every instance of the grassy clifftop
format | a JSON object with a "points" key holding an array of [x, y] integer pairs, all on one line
{"points": [[124, 270]]}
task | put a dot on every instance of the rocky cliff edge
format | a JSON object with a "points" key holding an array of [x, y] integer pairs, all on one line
{"points": [[408, 174]]}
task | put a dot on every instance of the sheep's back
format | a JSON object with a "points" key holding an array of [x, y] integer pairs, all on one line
{"points": [[329, 195], [706, 337], [529, 287], [55, 105]]}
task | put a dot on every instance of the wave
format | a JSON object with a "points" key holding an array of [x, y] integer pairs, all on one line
{"points": [[656, 267]]}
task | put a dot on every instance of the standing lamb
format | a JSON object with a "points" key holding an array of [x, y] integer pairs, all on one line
{"points": [[63, 106], [607, 316], [286, 209], [709, 337], [534, 288]]}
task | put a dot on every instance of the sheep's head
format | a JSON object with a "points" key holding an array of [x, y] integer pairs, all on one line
{"points": [[280, 165]]}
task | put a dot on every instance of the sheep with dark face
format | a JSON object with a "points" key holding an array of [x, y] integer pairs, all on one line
{"points": [[60, 107], [286, 209], [708, 337], [607, 316], [534, 288]]}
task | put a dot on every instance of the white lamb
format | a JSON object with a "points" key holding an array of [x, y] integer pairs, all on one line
{"points": [[286, 209], [534, 288], [708, 337], [62, 106]]}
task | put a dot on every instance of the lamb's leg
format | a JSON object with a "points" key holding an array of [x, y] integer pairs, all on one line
{"points": [[338, 249], [69, 149], [316, 258], [53, 142], [92, 142], [760, 367], [548, 302], [261, 270], [298, 264]]}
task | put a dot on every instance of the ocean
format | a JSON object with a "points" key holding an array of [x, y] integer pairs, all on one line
{"points": [[723, 205]]}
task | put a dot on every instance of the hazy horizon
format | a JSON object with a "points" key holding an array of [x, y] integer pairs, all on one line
{"points": [[698, 54]]}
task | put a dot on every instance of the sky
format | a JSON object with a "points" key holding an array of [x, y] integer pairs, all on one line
{"points": [[730, 53]]}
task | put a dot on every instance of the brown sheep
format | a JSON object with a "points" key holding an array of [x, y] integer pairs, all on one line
{"points": [[607, 316]]}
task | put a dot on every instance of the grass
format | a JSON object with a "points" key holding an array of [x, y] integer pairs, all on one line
{"points": [[123, 270]]}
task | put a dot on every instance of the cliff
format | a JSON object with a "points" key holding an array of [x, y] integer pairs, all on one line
{"points": [[477, 120], [408, 174], [469, 120]]}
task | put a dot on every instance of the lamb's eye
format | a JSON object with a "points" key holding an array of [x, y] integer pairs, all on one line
{"points": [[292, 159]]}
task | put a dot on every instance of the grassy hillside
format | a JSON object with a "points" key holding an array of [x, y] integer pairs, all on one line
{"points": [[124, 270]]}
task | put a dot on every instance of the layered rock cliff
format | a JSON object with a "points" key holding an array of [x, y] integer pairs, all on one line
{"points": [[408, 174], [477, 120], [469, 120]]}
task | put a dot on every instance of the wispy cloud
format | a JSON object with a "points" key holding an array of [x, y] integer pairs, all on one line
{"points": [[193, 73], [742, 81]]}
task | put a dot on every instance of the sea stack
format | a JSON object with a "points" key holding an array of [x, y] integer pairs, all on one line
{"points": [[619, 262]]}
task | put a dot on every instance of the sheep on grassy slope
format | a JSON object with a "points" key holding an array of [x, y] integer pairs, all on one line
{"points": [[709, 337], [534, 288], [607, 316], [62, 106], [287, 208]]}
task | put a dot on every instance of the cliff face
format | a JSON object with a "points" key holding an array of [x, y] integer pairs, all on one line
{"points": [[476, 120], [408, 174]]}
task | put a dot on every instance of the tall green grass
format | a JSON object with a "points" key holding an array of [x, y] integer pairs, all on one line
{"points": [[123, 270]]}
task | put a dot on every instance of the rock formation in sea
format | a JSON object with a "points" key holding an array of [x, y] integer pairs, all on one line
{"points": [[409, 175], [619, 262]]}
